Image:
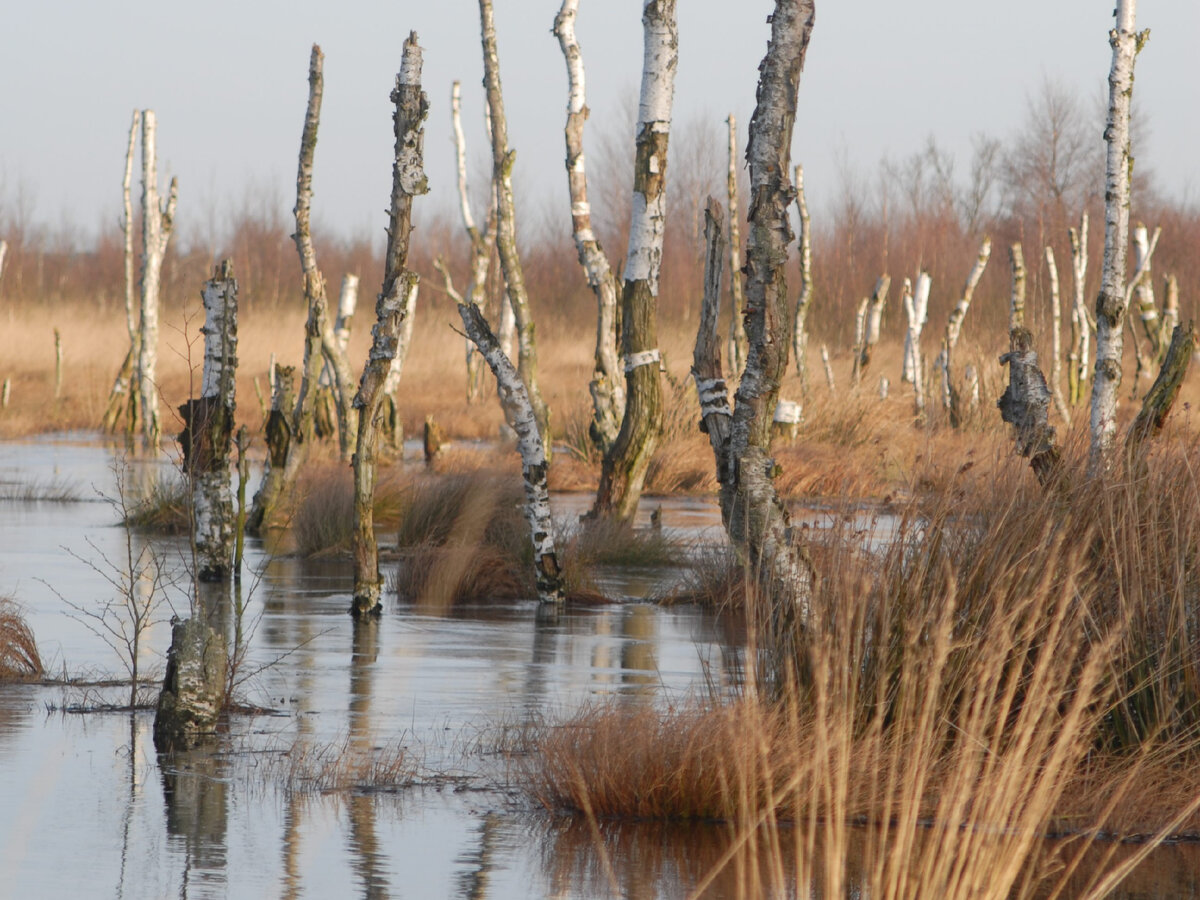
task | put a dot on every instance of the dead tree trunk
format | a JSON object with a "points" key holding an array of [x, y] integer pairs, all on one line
{"points": [[916, 306], [1016, 306], [945, 362], [804, 301], [737, 296], [1160, 399], [408, 181], [1170, 308], [1143, 287], [872, 325], [506, 226], [122, 399], [482, 242], [607, 386], [624, 469], [1110, 304], [390, 422], [518, 412], [1081, 326], [755, 518], [280, 432], [1025, 405], [208, 430], [157, 223], [1056, 347]]}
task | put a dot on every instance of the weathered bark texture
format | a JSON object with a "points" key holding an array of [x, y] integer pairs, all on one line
{"points": [[945, 361], [518, 412], [122, 399], [280, 432], [1081, 325], [1160, 399], [872, 325], [804, 301], [624, 468], [1025, 405], [333, 402], [482, 242], [1060, 402], [756, 519], [506, 224], [1111, 303], [1016, 306], [208, 430], [737, 296], [391, 426], [716, 415], [391, 311], [607, 386], [157, 224], [193, 689]]}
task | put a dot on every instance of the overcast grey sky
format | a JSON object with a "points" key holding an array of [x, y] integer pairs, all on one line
{"points": [[228, 82]]}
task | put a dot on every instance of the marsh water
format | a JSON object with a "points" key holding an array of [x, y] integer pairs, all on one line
{"points": [[87, 809]]}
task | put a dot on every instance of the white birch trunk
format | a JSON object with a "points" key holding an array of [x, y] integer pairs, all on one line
{"points": [[920, 308], [518, 412], [607, 386], [872, 324], [506, 226], [123, 397], [1016, 307], [828, 370], [1170, 307], [208, 430], [1143, 286], [737, 296], [1081, 325], [4, 255], [1025, 405], [804, 301], [482, 242], [157, 222], [1056, 336], [945, 360], [1110, 304], [391, 310], [623, 471]]}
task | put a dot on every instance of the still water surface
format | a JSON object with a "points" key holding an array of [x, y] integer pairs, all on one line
{"points": [[88, 810]]}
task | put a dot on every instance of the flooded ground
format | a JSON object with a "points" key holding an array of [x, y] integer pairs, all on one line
{"points": [[87, 809]]}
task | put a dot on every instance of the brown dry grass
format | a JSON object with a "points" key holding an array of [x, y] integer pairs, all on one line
{"points": [[19, 657]]}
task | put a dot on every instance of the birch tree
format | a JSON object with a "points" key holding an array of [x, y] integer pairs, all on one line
{"points": [[1025, 405], [157, 223], [916, 308], [1016, 305], [804, 300], [945, 361], [208, 430], [1060, 402], [1081, 323], [756, 519], [122, 398], [872, 324], [607, 385], [624, 468], [737, 296], [1111, 303], [506, 225], [392, 310]]}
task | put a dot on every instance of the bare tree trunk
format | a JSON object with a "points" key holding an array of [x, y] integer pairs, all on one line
{"points": [[1160, 399], [279, 435], [945, 361], [737, 296], [1170, 307], [756, 519], [804, 301], [399, 284], [1025, 405], [624, 469], [860, 338], [828, 370], [121, 399], [482, 242], [208, 430], [874, 322], [1110, 304], [390, 422], [916, 306], [1056, 317], [157, 223], [3, 256], [1081, 324], [1143, 287], [506, 227], [1016, 307], [607, 386]]}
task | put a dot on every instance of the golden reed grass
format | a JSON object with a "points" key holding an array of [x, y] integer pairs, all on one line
{"points": [[19, 657]]}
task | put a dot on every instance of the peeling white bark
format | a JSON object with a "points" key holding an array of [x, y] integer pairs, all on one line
{"points": [[945, 360], [916, 307], [1081, 325], [1056, 336], [828, 370], [1110, 304], [804, 301], [1141, 288], [1016, 308], [607, 386]]}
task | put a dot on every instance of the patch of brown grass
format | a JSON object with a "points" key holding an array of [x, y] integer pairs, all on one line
{"points": [[322, 521], [19, 657]]}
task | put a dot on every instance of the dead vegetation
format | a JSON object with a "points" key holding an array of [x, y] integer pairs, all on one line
{"points": [[19, 657]]}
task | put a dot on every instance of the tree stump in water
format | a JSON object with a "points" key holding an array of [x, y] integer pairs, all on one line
{"points": [[193, 691]]}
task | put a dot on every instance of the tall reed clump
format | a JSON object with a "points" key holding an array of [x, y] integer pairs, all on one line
{"points": [[19, 656], [951, 696]]}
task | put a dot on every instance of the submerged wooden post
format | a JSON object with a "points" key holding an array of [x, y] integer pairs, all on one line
{"points": [[391, 311], [1111, 302], [208, 431], [607, 386], [623, 471]]}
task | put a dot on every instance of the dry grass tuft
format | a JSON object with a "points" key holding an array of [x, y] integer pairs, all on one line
{"points": [[161, 505], [322, 522], [19, 656], [345, 765]]}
